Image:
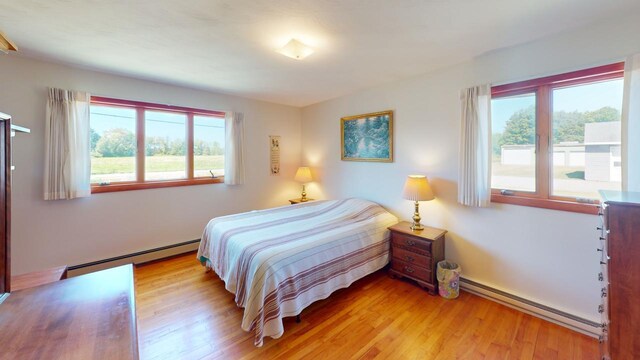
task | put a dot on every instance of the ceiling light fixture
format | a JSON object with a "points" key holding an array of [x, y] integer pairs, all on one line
{"points": [[295, 50], [6, 45]]}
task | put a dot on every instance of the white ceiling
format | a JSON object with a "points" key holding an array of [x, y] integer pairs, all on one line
{"points": [[228, 45]]}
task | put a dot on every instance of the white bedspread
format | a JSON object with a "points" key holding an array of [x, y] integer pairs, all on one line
{"points": [[279, 261]]}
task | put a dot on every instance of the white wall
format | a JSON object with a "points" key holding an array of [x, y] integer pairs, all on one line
{"points": [[543, 255], [49, 233]]}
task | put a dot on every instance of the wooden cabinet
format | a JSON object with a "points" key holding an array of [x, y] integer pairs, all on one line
{"points": [[5, 204], [415, 254], [7, 130], [620, 276]]}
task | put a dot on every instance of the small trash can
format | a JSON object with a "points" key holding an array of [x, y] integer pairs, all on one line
{"points": [[448, 279]]}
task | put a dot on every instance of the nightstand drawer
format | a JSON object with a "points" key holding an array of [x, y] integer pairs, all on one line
{"points": [[411, 243], [411, 257], [411, 270]]}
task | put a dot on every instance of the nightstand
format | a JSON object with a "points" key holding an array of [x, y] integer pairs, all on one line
{"points": [[415, 254], [299, 200]]}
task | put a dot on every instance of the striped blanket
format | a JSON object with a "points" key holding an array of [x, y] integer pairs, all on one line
{"points": [[279, 261]]}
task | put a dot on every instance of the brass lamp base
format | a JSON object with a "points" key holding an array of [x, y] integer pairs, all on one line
{"points": [[416, 218], [303, 197], [417, 226]]}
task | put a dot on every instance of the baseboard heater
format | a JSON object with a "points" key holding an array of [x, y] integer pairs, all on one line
{"points": [[139, 257], [545, 312]]}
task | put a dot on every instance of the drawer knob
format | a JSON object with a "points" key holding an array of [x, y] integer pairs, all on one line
{"points": [[408, 269], [411, 243], [409, 258]]}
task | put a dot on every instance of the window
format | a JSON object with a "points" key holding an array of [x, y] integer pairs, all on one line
{"points": [[137, 145], [165, 145], [513, 142], [556, 140], [113, 144], [208, 145]]}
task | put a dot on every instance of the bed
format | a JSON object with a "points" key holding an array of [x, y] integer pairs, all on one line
{"points": [[279, 261]]}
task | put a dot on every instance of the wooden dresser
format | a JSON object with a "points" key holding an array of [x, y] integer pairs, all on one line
{"points": [[86, 317], [415, 254], [620, 276]]}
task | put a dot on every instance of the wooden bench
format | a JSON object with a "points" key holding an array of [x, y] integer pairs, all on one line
{"points": [[37, 278], [85, 317]]}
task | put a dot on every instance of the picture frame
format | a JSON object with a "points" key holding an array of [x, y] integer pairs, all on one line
{"points": [[367, 137]]}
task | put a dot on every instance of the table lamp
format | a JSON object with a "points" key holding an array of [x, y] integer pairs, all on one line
{"points": [[303, 175], [417, 188]]}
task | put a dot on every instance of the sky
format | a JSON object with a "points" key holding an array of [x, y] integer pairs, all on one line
{"points": [[163, 124], [576, 98]]}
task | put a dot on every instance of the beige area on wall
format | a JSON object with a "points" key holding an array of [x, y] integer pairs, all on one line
{"points": [[542, 255], [50, 233]]}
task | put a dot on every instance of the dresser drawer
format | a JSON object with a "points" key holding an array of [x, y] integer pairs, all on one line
{"points": [[411, 257], [411, 270], [412, 243]]}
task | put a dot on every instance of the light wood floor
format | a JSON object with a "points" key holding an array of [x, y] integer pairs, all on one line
{"points": [[185, 313]]}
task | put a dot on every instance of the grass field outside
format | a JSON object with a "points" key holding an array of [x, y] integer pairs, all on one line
{"points": [[559, 172], [114, 169], [567, 180]]}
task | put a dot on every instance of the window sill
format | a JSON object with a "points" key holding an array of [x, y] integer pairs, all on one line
{"points": [[546, 203], [97, 189]]}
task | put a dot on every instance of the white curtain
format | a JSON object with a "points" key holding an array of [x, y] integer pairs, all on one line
{"points": [[474, 182], [631, 125], [234, 149], [67, 167]]}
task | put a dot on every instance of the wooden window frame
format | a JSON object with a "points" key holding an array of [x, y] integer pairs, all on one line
{"points": [[542, 88], [140, 183]]}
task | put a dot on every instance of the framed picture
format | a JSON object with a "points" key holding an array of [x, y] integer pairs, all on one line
{"points": [[367, 137]]}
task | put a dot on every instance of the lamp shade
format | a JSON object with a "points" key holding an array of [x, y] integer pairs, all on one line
{"points": [[303, 175], [417, 188]]}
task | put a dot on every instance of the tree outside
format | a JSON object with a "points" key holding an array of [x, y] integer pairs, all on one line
{"points": [[567, 126], [122, 143], [116, 143], [518, 142]]}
